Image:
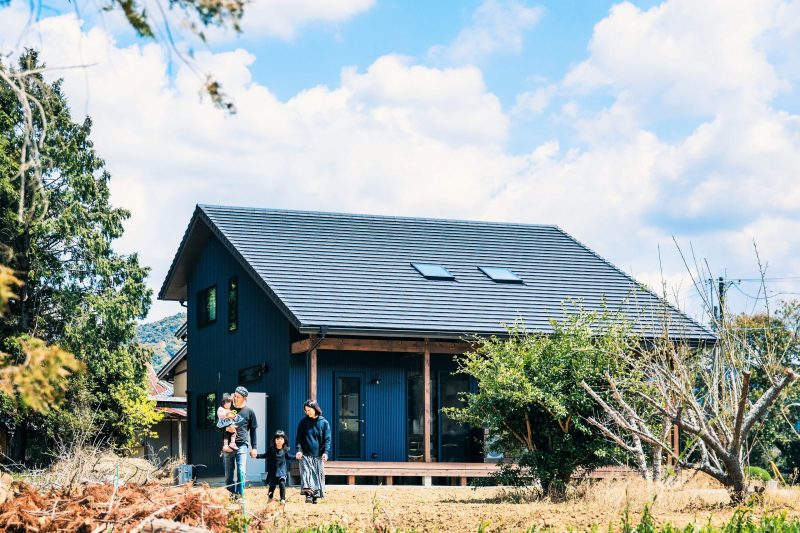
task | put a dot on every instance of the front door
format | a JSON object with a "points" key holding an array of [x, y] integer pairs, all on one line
{"points": [[350, 431]]}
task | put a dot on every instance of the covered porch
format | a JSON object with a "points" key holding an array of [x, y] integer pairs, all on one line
{"points": [[383, 398]]}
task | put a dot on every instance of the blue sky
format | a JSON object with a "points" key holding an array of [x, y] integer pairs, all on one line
{"points": [[632, 125]]}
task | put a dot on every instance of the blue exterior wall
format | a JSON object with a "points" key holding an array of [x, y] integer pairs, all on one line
{"points": [[215, 356], [264, 335], [385, 404]]}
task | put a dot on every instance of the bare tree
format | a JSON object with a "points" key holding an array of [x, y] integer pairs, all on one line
{"points": [[702, 389]]}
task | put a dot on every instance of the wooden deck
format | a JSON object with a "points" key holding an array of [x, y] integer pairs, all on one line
{"points": [[462, 471], [390, 470]]}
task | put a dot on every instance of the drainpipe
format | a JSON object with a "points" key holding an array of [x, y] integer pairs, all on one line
{"points": [[323, 331]]}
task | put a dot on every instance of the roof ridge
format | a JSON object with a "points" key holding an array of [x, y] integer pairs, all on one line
{"points": [[369, 216]]}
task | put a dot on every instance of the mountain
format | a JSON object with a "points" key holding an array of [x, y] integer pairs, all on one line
{"points": [[160, 337]]}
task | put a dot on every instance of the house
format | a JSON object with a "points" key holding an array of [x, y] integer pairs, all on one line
{"points": [[174, 370], [169, 440], [168, 390], [366, 313]]}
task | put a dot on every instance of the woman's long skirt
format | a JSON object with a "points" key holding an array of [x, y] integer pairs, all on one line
{"points": [[312, 476]]}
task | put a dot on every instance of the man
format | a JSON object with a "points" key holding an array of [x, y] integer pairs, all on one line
{"points": [[236, 461]]}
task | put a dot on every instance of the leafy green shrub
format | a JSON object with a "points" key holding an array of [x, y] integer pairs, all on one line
{"points": [[756, 472], [333, 527]]}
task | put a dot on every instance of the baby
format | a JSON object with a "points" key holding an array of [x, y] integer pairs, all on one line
{"points": [[228, 417]]}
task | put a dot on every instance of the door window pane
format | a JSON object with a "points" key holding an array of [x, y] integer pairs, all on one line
{"points": [[454, 434], [348, 429]]}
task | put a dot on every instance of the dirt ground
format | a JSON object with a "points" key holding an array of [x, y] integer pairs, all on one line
{"points": [[445, 509]]}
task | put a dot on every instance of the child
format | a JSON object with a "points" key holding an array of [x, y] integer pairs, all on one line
{"points": [[227, 417], [277, 456]]}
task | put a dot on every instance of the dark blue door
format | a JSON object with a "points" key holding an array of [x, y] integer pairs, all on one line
{"points": [[349, 427]]}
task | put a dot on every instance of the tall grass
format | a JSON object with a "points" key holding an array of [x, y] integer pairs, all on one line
{"points": [[743, 521]]}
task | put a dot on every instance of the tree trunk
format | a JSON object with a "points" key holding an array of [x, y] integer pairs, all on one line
{"points": [[737, 484], [656, 467], [18, 444]]}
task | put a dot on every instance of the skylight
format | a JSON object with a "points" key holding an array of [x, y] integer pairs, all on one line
{"points": [[433, 271], [500, 275]]}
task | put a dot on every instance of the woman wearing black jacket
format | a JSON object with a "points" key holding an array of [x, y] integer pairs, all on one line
{"points": [[313, 443]]}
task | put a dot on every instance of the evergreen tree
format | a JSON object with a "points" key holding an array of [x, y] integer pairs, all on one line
{"points": [[76, 291]]}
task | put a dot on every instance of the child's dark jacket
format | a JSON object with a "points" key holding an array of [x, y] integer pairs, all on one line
{"points": [[277, 464]]}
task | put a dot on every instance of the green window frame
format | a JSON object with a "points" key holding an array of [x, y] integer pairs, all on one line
{"points": [[233, 304], [207, 411], [207, 306]]}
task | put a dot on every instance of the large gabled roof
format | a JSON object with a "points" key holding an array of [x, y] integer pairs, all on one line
{"points": [[352, 273]]}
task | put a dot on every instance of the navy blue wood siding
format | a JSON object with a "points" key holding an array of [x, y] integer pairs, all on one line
{"points": [[216, 356], [385, 407]]}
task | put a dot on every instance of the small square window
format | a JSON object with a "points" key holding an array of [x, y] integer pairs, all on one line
{"points": [[500, 275], [433, 271]]}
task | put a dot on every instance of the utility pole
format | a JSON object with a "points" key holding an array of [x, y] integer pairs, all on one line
{"points": [[718, 311]]}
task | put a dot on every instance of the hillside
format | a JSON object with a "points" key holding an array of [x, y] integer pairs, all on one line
{"points": [[160, 337]]}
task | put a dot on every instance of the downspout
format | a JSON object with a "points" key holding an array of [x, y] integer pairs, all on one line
{"points": [[323, 331]]}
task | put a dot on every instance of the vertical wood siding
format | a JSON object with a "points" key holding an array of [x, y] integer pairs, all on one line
{"points": [[385, 404], [215, 356]]}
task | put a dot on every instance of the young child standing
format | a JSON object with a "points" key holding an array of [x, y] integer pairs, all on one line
{"points": [[277, 456], [227, 417]]}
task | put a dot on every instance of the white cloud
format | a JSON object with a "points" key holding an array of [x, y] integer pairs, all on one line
{"points": [[496, 26], [402, 138], [725, 183], [283, 18], [686, 56], [396, 138]]}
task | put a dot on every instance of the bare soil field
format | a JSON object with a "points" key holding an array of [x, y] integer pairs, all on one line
{"points": [[444, 509]]}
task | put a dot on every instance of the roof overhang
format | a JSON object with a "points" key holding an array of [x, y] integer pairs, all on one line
{"points": [[197, 234], [195, 237]]}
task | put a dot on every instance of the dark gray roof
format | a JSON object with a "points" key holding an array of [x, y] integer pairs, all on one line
{"points": [[353, 273]]}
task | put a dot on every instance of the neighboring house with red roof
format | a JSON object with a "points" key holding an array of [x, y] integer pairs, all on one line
{"points": [[168, 390]]}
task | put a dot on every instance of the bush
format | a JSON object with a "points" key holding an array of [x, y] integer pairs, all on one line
{"points": [[756, 472]]}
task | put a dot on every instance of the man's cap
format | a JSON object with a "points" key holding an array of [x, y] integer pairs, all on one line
{"points": [[241, 390]]}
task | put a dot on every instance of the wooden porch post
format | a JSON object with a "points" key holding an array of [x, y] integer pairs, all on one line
{"points": [[312, 371], [426, 417], [312, 374]]}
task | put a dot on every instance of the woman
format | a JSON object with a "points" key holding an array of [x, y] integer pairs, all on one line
{"points": [[313, 442]]}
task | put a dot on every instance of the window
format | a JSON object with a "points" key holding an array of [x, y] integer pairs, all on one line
{"points": [[207, 411], [433, 271], [207, 306], [251, 374], [500, 275], [233, 304]]}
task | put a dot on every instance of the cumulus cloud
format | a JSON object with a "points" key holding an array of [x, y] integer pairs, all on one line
{"points": [[725, 182], [397, 137], [496, 26], [400, 137], [283, 18]]}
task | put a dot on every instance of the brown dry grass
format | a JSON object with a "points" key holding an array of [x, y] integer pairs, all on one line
{"points": [[442, 509]]}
